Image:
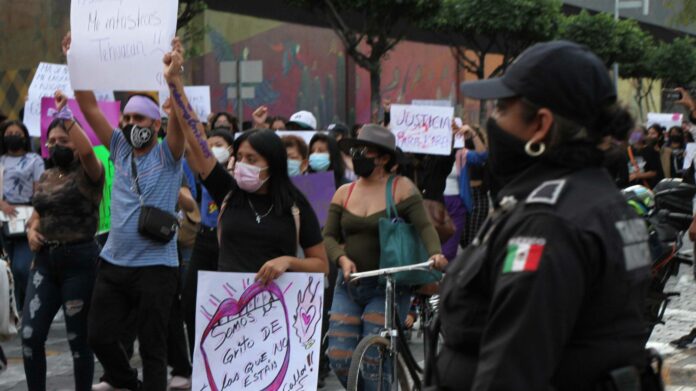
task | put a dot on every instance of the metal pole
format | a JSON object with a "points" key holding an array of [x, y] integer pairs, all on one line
{"points": [[616, 64], [240, 105]]}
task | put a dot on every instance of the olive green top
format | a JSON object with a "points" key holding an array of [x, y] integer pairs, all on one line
{"points": [[360, 235]]}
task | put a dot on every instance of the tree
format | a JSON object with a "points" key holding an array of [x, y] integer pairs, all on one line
{"points": [[599, 32], [188, 10], [674, 62], [685, 10], [379, 24], [481, 27], [636, 51]]}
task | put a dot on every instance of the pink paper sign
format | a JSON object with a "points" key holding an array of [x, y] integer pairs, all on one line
{"points": [[111, 110]]}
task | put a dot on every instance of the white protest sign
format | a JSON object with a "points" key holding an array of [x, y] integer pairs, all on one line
{"points": [[423, 129], [198, 96], [119, 44], [251, 336], [47, 80], [431, 102], [665, 119]]}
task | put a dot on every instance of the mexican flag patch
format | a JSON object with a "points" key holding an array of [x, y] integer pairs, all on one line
{"points": [[523, 254]]}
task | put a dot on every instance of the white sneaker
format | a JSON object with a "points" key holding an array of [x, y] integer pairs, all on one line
{"points": [[104, 386], [180, 383]]}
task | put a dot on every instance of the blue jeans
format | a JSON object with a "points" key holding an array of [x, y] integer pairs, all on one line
{"points": [[61, 276], [358, 311], [20, 262]]}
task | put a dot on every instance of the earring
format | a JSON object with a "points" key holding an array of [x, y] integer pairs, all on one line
{"points": [[534, 149]]}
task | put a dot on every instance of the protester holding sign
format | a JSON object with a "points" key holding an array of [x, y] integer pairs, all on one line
{"points": [[61, 233], [138, 265], [205, 249], [264, 218], [20, 169]]}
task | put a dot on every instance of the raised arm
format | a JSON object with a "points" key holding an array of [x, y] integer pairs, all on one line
{"points": [[193, 130], [173, 64], [92, 166], [90, 109]]}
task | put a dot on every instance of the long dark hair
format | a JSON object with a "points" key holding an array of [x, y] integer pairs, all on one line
{"points": [[3, 128], [337, 165], [283, 192]]}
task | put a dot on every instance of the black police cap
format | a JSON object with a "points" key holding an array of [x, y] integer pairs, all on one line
{"points": [[563, 76]]}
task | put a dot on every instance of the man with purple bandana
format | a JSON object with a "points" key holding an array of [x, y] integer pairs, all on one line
{"points": [[135, 272]]}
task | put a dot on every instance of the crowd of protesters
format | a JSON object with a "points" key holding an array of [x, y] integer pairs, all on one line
{"points": [[238, 211]]}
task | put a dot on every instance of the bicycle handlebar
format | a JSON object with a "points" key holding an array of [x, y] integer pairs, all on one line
{"points": [[392, 270]]}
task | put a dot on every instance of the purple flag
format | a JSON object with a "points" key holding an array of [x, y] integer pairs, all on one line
{"points": [[319, 189]]}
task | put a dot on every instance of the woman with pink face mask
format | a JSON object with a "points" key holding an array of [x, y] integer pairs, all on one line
{"points": [[256, 228]]}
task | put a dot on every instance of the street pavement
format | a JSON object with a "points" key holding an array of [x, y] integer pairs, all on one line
{"points": [[679, 368], [59, 363]]}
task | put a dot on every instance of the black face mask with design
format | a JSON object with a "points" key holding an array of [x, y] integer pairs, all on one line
{"points": [[138, 137], [61, 156]]}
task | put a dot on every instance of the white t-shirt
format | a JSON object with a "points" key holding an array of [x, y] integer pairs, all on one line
{"points": [[452, 182]]}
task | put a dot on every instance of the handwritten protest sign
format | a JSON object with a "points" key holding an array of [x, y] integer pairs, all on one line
{"points": [[111, 112], [423, 129], [665, 119], [47, 80], [119, 44], [251, 336], [198, 96], [319, 189]]}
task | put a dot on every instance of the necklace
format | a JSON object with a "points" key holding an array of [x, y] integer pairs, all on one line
{"points": [[258, 216]]}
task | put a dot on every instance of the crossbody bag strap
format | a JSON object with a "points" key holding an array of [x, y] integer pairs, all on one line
{"points": [[134, 173], [391, 208], [350, 191]]}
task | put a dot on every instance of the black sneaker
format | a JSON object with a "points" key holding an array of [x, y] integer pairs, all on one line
{"points": [[685, 341]]}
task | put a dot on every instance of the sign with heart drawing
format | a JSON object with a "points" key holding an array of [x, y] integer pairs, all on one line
{"points": [[251, 336]]}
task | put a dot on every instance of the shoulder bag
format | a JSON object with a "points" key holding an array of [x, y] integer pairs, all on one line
{"points": [[400, 245], [154, 223]]}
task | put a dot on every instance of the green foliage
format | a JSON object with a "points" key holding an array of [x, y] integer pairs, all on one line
{"points": [[675, 63], [685, 11], [188, 9], [506, 26], [191, 34], [599, 32]]}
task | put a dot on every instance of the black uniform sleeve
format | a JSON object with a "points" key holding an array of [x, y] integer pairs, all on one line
{"points": [[535, 304], [219, 183]]}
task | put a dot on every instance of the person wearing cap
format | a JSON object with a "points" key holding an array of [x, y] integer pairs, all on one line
{"points": [[351, 235], [551, 293], [135, 272], [302, 120]]}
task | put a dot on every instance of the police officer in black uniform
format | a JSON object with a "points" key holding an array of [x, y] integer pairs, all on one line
{"points": [[550, 295]]}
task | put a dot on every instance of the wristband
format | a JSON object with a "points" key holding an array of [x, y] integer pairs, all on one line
{"points": [[65, 113]]}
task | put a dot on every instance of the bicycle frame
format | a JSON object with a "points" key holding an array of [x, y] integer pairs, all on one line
{"points": [[390, 330]]}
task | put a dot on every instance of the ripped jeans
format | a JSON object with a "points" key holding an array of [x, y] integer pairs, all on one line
{"points": [[60, 276], [358, 311]]}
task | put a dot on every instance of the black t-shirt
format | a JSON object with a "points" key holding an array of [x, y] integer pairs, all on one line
{"points": [[647, 159], [246, 245]]}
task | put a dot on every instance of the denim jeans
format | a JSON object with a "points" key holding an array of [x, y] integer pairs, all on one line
{"points": [[60, 276], [358, 311], [20, 255], [119, 291]]}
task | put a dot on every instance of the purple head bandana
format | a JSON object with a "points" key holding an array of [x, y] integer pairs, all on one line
{"points": [[138, 104]]}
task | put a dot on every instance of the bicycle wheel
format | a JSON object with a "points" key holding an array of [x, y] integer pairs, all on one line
{"points": [[356, 364]]}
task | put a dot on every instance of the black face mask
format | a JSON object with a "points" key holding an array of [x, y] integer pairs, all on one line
{"points": [[62, 156], [138, 137], [507, 157], [13, 142], [363, 166]]}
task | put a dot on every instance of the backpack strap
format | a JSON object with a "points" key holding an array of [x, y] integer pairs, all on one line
{"points": [[350, 191]]}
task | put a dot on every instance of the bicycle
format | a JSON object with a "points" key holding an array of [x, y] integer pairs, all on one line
{"points": [[390, 343]]}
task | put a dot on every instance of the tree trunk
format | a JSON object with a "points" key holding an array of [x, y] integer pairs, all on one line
{"points": [[482, 103], [375, 93]]}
